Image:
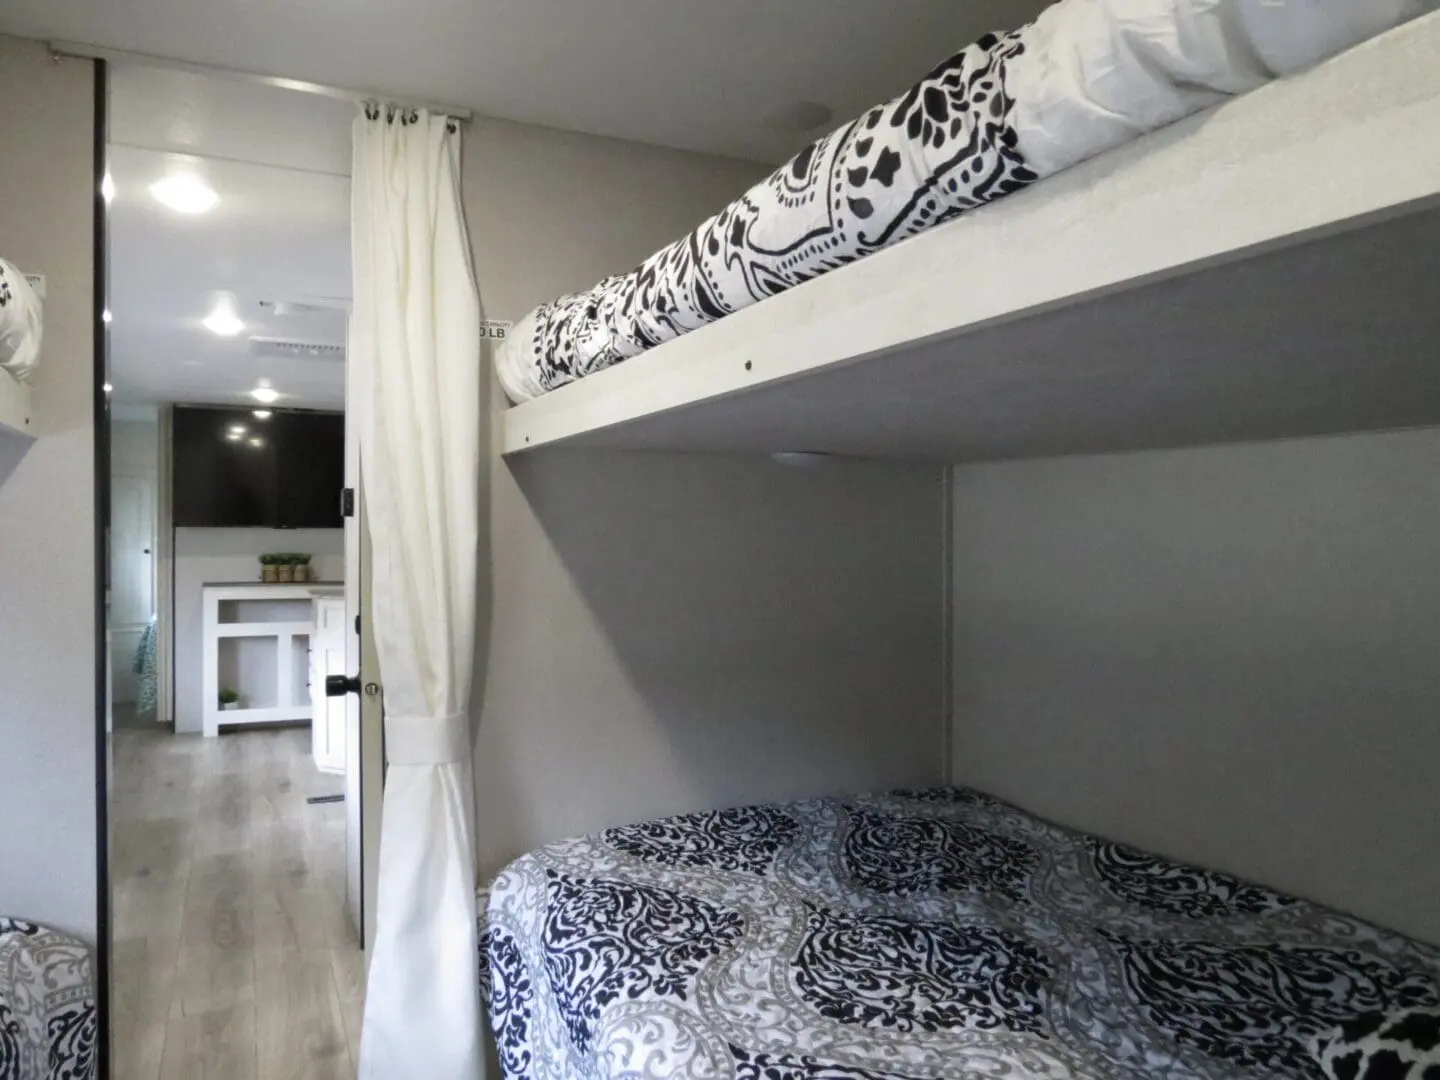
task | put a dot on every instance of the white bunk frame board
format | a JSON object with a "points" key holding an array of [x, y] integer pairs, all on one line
{"points": [[285, 632], [15, 402], [1102, 309], [17, 430]]}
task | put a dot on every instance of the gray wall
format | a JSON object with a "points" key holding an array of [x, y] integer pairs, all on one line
{"points": [[674, 633], [134, 448], [215, 556], [47, 518], [1229, 655]]}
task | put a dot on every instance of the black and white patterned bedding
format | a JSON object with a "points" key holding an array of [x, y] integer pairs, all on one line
{"points": [[919, 935], [47, 1004], [942, 148], [999, 114]]}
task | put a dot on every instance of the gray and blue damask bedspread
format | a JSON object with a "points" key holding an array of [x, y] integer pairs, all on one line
{"points": [[911, 936]]}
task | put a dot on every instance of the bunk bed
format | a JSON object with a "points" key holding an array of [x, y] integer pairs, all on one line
{"points": [[20, 338], [926, 934], [1254, 258], [1032, 324]]}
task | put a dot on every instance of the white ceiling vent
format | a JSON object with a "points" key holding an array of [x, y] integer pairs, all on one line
{"points": [[298, 350], [307, 305]]}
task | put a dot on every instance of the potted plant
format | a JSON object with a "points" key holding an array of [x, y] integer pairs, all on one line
{"points": [[229, 698], [285, 571], [269, 569], [302, 567]]}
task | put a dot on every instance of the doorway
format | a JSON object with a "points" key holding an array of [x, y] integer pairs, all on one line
{"points": [[238, 793], [131, 608]]}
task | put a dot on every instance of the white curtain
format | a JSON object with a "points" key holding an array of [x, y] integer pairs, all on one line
{"points": [[415, 341]]}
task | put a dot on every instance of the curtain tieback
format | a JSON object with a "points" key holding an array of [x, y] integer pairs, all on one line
{"points": [[427, 740]]}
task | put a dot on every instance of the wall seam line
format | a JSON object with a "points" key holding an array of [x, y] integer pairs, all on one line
{"points": [[947, 634]]}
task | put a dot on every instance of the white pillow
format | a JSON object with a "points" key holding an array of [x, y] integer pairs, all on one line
{"points": [[20, 322]]}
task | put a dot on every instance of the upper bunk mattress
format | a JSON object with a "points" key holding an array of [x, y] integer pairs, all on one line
{"points": [[1011, 109], [916, 936]]}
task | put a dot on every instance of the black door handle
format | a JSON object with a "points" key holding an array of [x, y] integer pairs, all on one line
{"points": [[340, 685]]}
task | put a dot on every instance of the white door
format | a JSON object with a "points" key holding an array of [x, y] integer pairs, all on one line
{"points": [[132, 577], [364, 718], [327, 657]]}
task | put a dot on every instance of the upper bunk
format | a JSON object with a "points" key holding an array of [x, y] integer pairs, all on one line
{"points": [[1264, 269]]}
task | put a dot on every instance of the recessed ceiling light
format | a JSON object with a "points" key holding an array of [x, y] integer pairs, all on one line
{"points": [[107, 388], [262, 414], [238, 429], [234, 436], [265, 395], [222, 320], [107, 189], [185, 193], [257, 442], [105, 316]]}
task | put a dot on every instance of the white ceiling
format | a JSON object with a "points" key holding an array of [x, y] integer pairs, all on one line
{"points": [[694, 74], [279, 162], [164, 109]]}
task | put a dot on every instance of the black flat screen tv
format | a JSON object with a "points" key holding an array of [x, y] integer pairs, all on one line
{"points": [[235, 470]]}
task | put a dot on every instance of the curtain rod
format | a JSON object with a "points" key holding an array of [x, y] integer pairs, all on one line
{"points": [[122, 56]]}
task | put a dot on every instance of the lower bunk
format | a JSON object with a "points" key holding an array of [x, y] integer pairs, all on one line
{"points": [[930, 934]]}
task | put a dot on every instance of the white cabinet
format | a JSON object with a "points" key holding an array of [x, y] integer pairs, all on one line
{"points": [[327, 657], [255, 638]]}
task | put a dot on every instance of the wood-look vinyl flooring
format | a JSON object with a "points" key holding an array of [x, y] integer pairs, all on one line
{"points": [[232, 958]]}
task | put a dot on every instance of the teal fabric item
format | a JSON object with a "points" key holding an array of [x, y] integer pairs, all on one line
{"points": [[144, 666]]}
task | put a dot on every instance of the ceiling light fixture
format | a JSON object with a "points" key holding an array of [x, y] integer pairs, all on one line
{"points": [[262, 414], [107, 189], [107, 388], [257, 442], [222, 319], [105, 316], [185, 193], [265, 395], [238, 429]]}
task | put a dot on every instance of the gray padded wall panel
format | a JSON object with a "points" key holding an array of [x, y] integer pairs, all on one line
{"points": [[1229, 655]]}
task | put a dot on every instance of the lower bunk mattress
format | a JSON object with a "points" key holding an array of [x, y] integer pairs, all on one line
{"points": [[916, 935]]}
